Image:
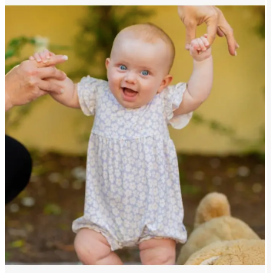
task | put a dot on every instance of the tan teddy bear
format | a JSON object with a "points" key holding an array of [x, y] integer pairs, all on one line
{"points": [[220, 239]]}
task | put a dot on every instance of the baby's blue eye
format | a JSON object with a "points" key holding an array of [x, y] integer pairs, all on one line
{"points": [[145, 72], [123, 67]]}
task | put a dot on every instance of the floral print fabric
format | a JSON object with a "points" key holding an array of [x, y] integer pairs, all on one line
{"points": [[132, 185]]}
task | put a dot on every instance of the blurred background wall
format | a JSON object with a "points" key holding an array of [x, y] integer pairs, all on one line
{"points": [[231, 121]]}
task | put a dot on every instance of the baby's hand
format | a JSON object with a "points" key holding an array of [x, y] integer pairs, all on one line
{"points": [[200, 49], [42, 56]]}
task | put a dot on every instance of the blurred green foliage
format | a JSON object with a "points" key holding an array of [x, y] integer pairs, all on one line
{"points": [[98, 29], [93, 43], [15, 46], [52, 209], [18, 243], [260, 28], [14, 49], [13, 58], [249, 147], [94, 40], [7, 256], [255, 147]]}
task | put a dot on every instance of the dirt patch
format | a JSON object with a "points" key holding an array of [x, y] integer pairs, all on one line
{"points": [[38, 221]]}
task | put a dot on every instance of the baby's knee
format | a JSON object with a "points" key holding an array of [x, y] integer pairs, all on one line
{"points": [[90, 247], [163, 253]]}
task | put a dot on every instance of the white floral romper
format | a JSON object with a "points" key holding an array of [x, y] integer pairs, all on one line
{"points": [[132, 182]]}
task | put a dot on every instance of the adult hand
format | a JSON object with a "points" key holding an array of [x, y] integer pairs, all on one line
{"points": [[193, 16], [25, 82]]}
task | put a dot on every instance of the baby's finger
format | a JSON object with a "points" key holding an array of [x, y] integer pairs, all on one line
{"points": [[31, 58], [47, 53], [56, 59], [37, 57], [201, 44], [43, 56], [205, 41], [194, 45]]}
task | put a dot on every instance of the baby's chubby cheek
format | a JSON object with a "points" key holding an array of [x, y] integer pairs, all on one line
{"points": [[113, 86], [148, 95], [114, 82]]}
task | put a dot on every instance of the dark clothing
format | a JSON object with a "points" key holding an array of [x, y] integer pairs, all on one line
{"points": [[18, 167]]}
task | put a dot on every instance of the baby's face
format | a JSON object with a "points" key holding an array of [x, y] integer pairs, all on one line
{"points": [[137, 71]]}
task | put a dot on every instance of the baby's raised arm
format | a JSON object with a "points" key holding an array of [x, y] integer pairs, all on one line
{"points": [[69, 95], [201, 80]]}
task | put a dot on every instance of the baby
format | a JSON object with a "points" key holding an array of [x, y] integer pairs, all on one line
{"points": [[133, 194]]}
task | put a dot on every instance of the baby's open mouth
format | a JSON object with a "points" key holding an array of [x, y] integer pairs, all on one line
{"points": [[129, 92]]}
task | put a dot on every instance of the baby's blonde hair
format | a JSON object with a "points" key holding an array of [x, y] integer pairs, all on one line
{"points": [[150, 33]]}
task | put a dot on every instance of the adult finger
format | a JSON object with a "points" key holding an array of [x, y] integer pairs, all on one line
{"points": [[51, 72], [56, 59], [228, 32], [212, 24], [50, 87], [220, 33], [190, 30]]}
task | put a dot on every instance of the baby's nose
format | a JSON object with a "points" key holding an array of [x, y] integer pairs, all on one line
{"points": [[130, 78]]}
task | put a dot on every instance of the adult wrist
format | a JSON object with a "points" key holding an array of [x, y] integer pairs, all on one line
{"points": [[8, 104]]}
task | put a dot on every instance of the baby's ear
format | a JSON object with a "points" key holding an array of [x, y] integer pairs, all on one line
{"points": [[107, 61], [165, 82]]}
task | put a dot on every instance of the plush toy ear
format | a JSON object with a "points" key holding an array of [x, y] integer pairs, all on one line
{"points": [[209, 261]]}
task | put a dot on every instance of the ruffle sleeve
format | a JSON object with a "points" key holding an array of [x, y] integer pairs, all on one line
{"points": [[173, 96], [87, 92]]}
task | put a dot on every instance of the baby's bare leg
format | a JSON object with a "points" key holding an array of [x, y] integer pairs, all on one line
{"points": [[92, 248], [157, 252]]}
